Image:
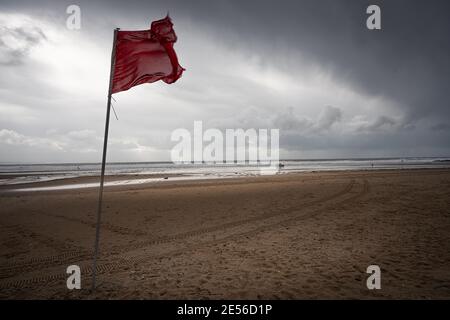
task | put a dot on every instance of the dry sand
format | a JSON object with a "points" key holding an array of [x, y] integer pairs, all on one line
{"points": [[308, 235]]}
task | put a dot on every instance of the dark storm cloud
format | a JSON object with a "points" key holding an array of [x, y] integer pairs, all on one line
{"points": [[406, 61], [380, 123]]}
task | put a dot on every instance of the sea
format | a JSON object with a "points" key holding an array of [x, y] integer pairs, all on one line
{"points": [[15, 174]]}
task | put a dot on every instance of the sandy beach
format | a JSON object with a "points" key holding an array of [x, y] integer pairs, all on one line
{"points": [[305, 235]]}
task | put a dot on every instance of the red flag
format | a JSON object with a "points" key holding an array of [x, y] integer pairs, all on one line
{"points": [[146, 56]]}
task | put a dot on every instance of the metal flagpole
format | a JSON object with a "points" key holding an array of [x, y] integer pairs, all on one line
{"points": [[105, 145]]}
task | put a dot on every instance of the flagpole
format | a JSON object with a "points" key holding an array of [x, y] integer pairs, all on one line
{"points": [[102, 176]]}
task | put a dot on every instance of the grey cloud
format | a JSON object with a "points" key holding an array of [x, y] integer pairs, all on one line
{"points": [[329, 116], [380, 123], [11, 137], [406, 63], [16, 42], [407, 60], [441, 127], [290, 122]]}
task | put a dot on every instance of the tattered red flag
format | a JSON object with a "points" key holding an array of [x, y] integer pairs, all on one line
{"points": [[146, 56]]}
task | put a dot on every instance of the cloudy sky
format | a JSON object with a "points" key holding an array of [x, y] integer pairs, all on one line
{"points": [[309, 68]]}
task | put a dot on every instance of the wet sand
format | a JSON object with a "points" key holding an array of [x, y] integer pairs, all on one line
{"points": [[305, 235], [89, 179]]}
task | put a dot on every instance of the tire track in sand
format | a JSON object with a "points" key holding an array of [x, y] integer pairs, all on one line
{"points": [[124, 263], [15, 268]]}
